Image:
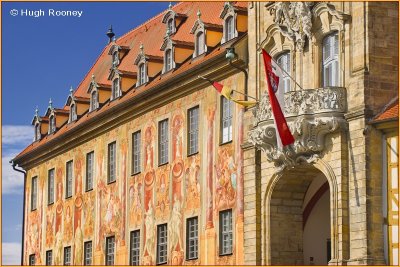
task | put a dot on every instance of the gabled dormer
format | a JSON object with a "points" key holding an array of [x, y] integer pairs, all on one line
{"points": [[205, 35], [121, 82], [99, 93], [148, 66], [234, 21], [36, 122], [172, 20], [169, 53], [77, 106], [57, 117], [117, 52]]}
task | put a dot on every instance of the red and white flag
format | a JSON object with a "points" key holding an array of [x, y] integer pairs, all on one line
{"points": [[284, 135]]}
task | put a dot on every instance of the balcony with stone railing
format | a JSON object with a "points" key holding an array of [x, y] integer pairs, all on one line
{"points": [[311, 114]]}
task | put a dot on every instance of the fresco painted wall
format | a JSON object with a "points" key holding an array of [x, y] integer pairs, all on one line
{"points": [[199, 185]]}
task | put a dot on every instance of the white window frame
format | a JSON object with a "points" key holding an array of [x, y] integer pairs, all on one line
{"points": [[116, 88], [163, 142], [32, 259], [136, 152], [115, 58], [112, 162], [89, 171], [162, 244], [192, 238], [142, 74], [38, 134], [50, 187], [88, 252], [330, 60], [34, 192], [52, 123], [110, 250], [193, 130], [67, 255], [134, 256], [49, 257], [225, 232], [226, 120], [69, 178], [72, 111], [168, 60], [284, 61], [227, 33], [200, 43], [94, 100]]}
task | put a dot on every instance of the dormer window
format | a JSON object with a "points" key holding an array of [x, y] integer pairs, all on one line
{"points": [[229, 16], [52, 124], [38, 135], [170, 25], [93, 101], [115, 58], [73, 115], [142, 74], [200, 43], [229, 28], [168, 60], [116, 92]]}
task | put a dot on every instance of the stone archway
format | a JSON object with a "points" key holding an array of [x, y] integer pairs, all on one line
{"points": [[297, 200]]}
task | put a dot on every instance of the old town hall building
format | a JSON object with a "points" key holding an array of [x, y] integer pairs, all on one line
{"points": [[147, 164]]}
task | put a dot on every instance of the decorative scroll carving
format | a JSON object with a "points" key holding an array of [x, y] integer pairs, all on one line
{"points": [[293, 20], [311, 115]]}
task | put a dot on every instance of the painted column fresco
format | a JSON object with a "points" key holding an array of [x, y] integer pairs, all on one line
{"points": [[210, 163]]}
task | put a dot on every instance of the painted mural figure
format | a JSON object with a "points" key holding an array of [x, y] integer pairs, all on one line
{"points": [[150, 235], [68, 224], [78, 244], [89, 215], [175, 226], [226, 180], [135, 204], [49, 227], [58, 247]]}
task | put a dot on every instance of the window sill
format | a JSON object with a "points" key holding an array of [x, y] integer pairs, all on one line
{"points": [[226, 254], [162, 164], [192, 259], [67, 197], [136, 173], [193, 154], [111, 182], [161, 263], [50, 204], [88, 190], [225, 143]]}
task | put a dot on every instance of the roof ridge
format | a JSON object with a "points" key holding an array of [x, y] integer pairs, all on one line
{"points": [[146, 22]]}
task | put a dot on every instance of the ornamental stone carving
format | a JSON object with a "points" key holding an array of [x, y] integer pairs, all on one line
{"points": [[293, 20], [311, 115]]}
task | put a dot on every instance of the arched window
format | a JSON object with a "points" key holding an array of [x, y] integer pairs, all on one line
{"points": [[229, 28], [330, 60], [115, 59], [168, 60], [37, 132], [284, 62], [142, 74], [199, 43], [73, 113], [93, 101], [52, 124], [115, 89], [170, 25]]}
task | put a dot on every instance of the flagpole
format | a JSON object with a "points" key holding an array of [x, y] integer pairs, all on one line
{"points": [[259, 48], [244, 94]]}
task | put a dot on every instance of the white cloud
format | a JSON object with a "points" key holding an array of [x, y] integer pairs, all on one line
{"points": [[17, 135], [12, 181], [11, 253]]}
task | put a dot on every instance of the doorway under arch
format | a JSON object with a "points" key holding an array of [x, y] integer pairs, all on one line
{"points": [[300, 220]]}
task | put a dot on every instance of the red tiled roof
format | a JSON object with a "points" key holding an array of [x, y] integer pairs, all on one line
{"points": [[390, 112], [151, 35]]}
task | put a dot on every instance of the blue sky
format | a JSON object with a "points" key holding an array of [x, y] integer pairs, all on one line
{"points": [[42, 57]]}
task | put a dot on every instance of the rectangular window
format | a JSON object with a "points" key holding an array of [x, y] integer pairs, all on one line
{"points": [[115, 89], [162, 243], [50, 187], [112, 167], [68, 182], [192, 238], [110, 249], [136, 143], [88, 253], [67, 256], [49, 257], [225, 232], [193, 130], [89, 170], [32, 259], [226, 120], [163, 142], [34, 193], [135, 247]]}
